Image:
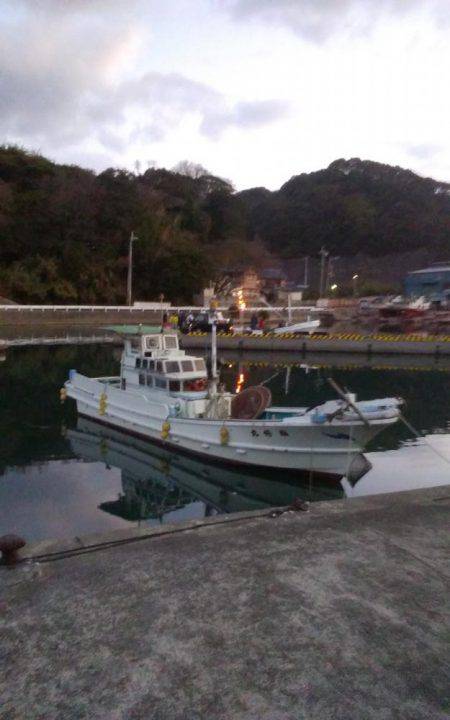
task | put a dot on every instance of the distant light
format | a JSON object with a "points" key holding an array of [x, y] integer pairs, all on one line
{"points": [[334, 287], [355, 277]]}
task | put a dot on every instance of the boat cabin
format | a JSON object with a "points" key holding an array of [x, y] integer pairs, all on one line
{"points": [[154, 362]]}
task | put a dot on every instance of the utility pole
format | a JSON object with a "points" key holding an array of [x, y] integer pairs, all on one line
{"points": [[329, 275], [323, 257], [305, 278], [133, 238]]}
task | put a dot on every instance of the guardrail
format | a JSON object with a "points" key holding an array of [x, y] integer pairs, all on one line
{"points": [[132, 308], [72, 308], [57, 340]]}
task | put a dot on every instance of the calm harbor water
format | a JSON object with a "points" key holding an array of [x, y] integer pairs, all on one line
{"points": [[60, 476]]}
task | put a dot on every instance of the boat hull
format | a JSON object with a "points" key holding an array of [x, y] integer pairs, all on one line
{"points": [[327, 449]]}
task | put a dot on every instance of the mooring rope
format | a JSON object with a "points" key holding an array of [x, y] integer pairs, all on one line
{"points": [[419, 436]]}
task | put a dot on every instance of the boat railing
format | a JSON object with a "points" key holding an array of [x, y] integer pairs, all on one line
{"points": [[108, 379]]}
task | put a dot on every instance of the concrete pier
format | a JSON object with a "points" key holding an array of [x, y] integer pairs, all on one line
{"points": [[355, 343], [337, 613]]}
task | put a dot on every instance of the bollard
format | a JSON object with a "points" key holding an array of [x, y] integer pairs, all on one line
{"points": [[9, 545], [299, 504]]}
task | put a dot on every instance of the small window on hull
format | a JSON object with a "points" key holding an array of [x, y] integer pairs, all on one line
{"points": [[141, 379], [160, 383], [150, 380], [174, 385], [144, 363], [138, 362]]}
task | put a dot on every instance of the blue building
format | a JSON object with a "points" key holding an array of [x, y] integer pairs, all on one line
{"points": [[433, 282]]}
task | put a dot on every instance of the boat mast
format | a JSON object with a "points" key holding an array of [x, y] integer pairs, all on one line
{"points": [[213, 320]]}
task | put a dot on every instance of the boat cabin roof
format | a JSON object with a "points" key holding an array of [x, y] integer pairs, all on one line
{"points": [[153, 345], [128, 330]]}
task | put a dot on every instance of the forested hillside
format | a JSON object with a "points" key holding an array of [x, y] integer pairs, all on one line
{"points": [[64, 230], [352, 206]]}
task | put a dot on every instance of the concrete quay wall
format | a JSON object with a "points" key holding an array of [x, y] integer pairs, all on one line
{"points": [[337, 613], [341, 343]]}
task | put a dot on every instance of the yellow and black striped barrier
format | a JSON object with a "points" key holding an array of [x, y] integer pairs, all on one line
{"points": [[437, 346], [355, 337]]}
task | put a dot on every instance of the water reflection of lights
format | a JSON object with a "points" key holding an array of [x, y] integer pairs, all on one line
{"points": [[240, 382]]}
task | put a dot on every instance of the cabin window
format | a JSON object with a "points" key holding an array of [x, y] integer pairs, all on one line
{"points": [[172, 366], [151, 364], [160, 383], [199, 364], [150, 380], [152, 342], [141, 379], [174, 385], [159, 366], [187, 366], [135, 345], [171, 342], [144, 363], [138, 362]]}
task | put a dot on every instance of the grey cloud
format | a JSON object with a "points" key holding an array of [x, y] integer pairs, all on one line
{"points": [[249, 114], [57, 89], [317, 20], [72, 7], [167, 98], [50, 84], [422, 151]]}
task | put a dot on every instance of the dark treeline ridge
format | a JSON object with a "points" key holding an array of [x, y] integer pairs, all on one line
{"points": [[64, 230]]}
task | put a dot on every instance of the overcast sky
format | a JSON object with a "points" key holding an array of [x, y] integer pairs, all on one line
{"points": [[254, 90]]}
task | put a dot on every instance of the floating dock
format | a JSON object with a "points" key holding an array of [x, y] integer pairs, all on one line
{"points": [[337, 612]]}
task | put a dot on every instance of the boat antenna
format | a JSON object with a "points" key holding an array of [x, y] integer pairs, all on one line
{"points": [[214, 347], [214, 374]]}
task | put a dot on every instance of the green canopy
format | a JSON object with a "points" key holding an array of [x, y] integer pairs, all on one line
{"points": [[135, 329]]}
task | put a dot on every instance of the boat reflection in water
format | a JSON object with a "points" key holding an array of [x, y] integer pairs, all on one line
{"points": [[156, 482]]}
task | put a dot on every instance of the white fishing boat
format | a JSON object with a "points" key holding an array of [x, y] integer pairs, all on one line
{"points": [[307, 327], [164, 395]]}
